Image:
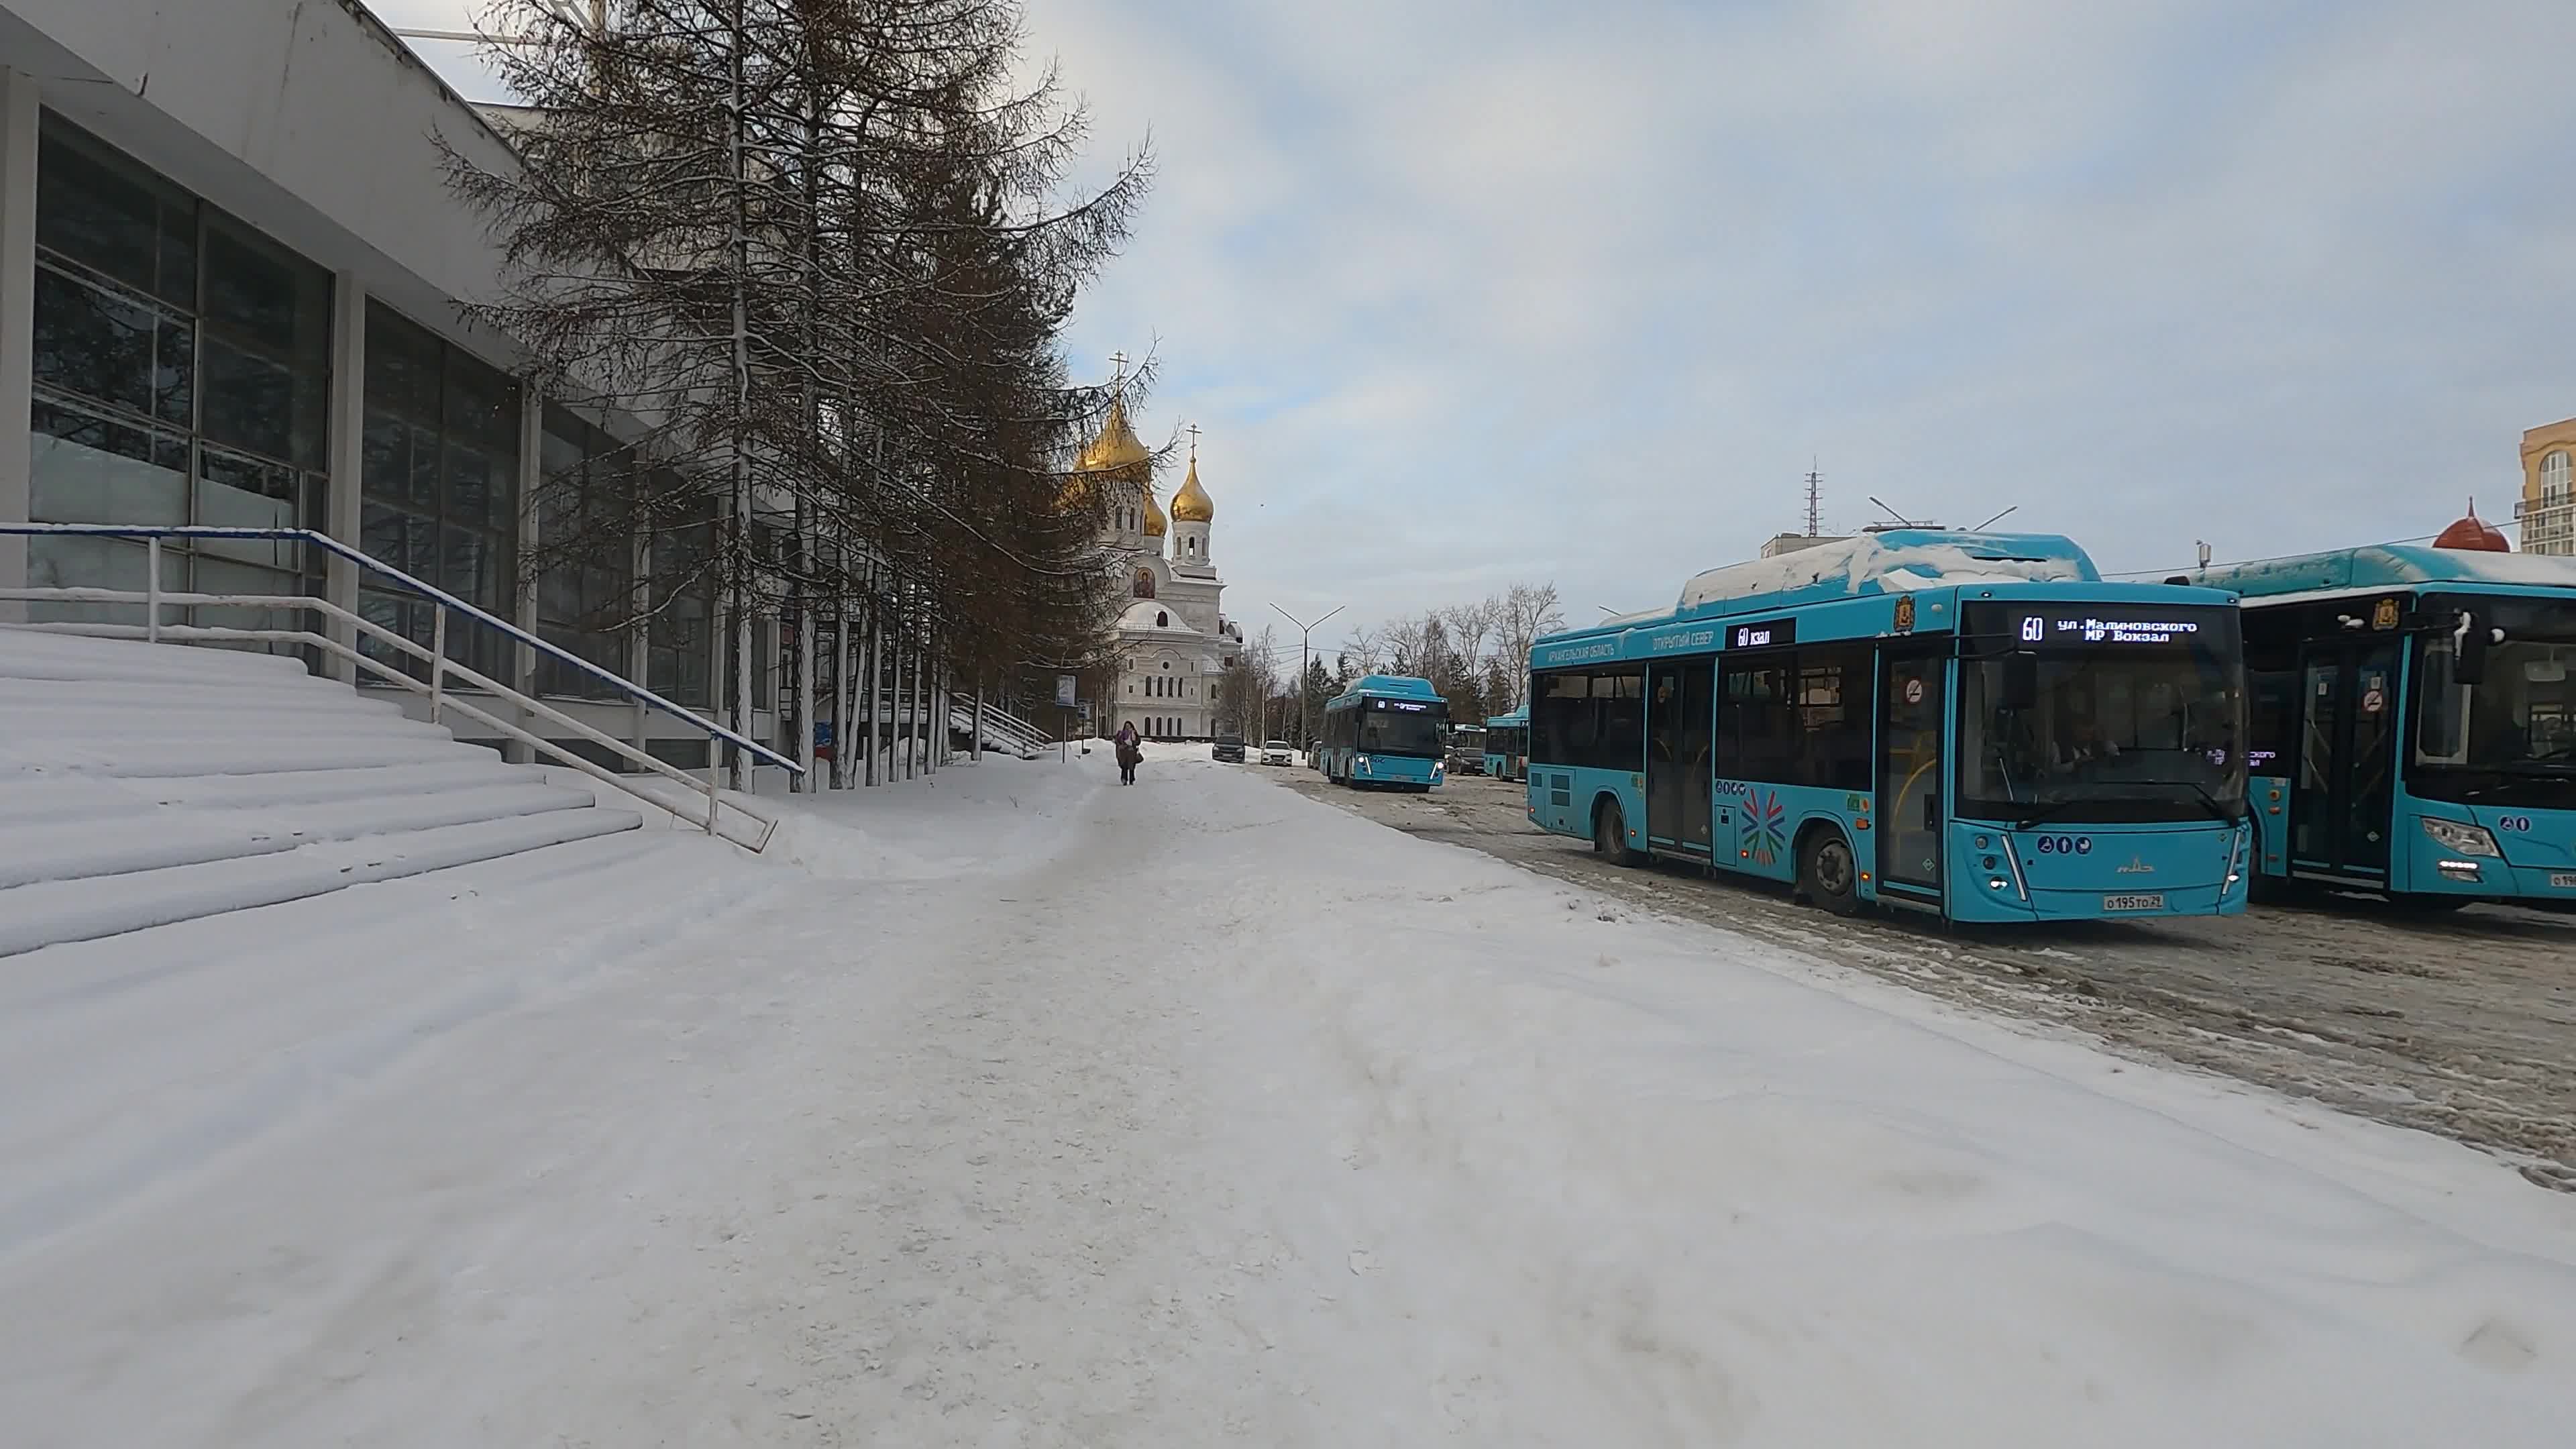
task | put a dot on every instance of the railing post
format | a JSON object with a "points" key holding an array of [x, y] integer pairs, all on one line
{"points": [[152, 590], [715, 781], [437, 659]]}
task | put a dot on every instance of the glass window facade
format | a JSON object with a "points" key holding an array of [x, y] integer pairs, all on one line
{"points": [[182, 372], [584, 591], [438, 485]]}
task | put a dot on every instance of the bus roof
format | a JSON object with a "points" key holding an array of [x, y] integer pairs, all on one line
{"points": [[2387, 566], [1390, 686], [1898, 561], [1513, 720]]}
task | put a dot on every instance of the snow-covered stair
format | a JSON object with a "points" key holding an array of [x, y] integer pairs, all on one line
{"points": [[146, 784]]}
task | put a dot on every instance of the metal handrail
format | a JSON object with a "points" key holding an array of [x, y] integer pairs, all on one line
{"points": [[151, 533]]}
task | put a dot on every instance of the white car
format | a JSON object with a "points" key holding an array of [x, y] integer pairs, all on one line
{"points": [[1277, 752]]}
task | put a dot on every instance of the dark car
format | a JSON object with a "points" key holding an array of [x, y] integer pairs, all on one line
{"points": [[1227, 747]]}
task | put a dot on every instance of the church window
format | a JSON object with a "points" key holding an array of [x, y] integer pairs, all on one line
{"points": [[1162, 620]]}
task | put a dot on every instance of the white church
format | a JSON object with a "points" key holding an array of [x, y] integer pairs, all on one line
{"points": [[1174, 644]]}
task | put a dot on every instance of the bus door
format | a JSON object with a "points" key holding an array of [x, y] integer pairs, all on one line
{"points": [[1680, 721], [2343, 801], [1912, 710]]}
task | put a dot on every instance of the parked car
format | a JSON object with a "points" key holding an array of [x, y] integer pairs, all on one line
{"points": [[1277, 752], [1227, 747]]}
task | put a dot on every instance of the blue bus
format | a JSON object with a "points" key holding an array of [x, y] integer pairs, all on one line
{"points": [[1507, 745], [1385, 730], [2413, 726], [1971, 725]]}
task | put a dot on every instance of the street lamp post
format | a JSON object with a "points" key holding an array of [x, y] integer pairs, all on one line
{"points": [[1305, 630]]}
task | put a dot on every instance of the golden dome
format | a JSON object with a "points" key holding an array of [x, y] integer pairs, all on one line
{"points": [[1115, 450], [1155, 527], [1192, 504], [1117, 446]]}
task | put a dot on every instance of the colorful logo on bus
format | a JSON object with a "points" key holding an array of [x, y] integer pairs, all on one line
{"points": [[1766, 826]]}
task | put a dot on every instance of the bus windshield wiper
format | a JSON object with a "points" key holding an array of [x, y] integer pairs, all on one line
{"points": [[2054, 808], [2216, 807]]}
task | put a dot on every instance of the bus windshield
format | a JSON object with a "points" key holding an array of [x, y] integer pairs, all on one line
{"points": [[2127, 723], [2513, 734], [1400, 727]]}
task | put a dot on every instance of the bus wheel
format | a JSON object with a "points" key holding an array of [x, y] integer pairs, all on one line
{"points": [[1610, 834], [1826, 875]]}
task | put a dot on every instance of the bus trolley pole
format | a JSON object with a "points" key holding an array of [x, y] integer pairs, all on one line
{"points": [[1305, 631]]}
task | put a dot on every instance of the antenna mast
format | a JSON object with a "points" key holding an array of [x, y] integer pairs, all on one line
{"points": [[1815, 493]]}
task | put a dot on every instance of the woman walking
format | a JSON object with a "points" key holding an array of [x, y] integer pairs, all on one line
{"points": [[1129, 755]]}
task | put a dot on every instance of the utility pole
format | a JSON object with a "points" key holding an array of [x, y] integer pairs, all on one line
{"points": [[1305, 631]]}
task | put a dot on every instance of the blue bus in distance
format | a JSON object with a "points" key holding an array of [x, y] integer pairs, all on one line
{"points": [[1386, 730], [1507, 745], [1975, 726], [2413, 724]]}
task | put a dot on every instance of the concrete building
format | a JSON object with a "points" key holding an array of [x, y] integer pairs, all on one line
{"points": [[230, 270], [2547, 508]]}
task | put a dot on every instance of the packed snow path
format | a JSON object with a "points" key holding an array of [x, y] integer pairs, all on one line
{"points": [[1027, 1109]]}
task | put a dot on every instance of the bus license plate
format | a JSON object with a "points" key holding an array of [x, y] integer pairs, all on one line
{"points": [[2563, 880], [2133, 903]]}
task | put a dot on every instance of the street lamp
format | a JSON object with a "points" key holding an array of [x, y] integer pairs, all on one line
{"points": [[1304, 630]]}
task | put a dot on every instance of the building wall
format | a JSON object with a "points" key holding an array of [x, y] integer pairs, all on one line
{"points": [[2548, 505], [308, 115], [313, 127]]}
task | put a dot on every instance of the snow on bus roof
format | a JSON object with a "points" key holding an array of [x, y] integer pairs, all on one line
{"points": [[1894, 562], [1394, 686]]}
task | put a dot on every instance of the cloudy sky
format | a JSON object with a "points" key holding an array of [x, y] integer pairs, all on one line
{"points": [[1468, 292]]}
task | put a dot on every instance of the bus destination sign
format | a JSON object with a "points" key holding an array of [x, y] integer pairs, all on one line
{"points": [[1765, 635], [2094, 629], [1408, 706]]}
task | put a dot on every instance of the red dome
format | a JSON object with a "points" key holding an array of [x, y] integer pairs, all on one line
{"points": [[2474, 534]]}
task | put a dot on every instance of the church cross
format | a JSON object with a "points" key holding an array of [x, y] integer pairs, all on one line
{"points": [[1193, 431]]}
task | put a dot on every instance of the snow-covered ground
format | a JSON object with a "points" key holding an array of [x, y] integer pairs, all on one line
{"points": [[1016, 1107]]}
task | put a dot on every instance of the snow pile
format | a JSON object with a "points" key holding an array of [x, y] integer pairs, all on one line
{"points": [[1172, 1115], [1895, 562]]}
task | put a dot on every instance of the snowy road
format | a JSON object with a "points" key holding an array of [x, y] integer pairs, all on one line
{"points": [[2461, 1024], [1026, 1109]]}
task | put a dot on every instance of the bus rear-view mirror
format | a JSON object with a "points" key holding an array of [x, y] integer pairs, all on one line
{"points": [[2021, 680], [2469, 643]]}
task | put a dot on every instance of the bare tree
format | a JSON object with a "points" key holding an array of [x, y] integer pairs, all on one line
{"points": [[1527, 612], [814, 252], [1476, 655]]}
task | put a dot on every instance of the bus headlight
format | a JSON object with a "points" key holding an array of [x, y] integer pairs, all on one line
{"points": [[1360, 763], [2462, 839]]}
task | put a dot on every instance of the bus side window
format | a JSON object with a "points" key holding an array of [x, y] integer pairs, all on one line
{"points": [[1757, 733], [1834, 691]]}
